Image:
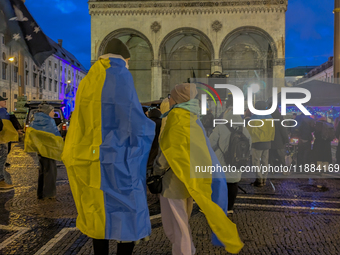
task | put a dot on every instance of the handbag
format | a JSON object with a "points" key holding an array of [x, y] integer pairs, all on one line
{"points": [[154, 183]]}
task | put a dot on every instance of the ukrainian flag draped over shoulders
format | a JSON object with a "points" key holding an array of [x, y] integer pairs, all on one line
{"points": [[185, 146], [43, 137], [8, 132], [106, 152]]}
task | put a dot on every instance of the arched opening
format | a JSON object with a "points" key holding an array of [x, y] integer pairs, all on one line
{"points": [[184, 53], [140, 62], [248, 55]]}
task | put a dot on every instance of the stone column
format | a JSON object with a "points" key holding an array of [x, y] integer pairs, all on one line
{"points": [[216, 65], [279, 73], [156, 80], [165, 82]]}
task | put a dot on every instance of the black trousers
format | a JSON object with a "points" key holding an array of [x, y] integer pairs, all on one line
{"points": [[47, 177], [101, 247], [232, 194], [277, 157], [304, 153]]}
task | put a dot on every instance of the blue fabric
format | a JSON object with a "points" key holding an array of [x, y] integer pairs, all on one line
{"points": [[219, 184], [127, 135], [43, 122], [4, 114]]}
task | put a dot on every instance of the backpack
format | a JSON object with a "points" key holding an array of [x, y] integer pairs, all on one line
{"points": [[238, 151], [327, 130]]}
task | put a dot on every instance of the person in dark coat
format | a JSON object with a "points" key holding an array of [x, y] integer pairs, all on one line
{"points": [[322, 150], [277, 150], [303, 131], [154, 114], [208, 122], [43, 121], [337, 135]]}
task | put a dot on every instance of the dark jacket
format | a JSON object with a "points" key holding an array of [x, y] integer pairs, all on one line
{"points": [[281, 134], [154, 115], [322, 150], [337, 132], [43, 122], [4, 114], [304, 128]]}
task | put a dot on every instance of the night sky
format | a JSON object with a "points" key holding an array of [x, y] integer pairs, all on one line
{"points": [[309, 28]]}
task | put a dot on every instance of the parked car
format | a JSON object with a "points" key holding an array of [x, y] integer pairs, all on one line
{"points": [[59, 118]]}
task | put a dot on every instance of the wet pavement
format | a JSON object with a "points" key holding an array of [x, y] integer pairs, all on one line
{"points": [[301, 216]]}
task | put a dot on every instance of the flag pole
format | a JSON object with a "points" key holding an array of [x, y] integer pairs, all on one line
{"points": [[21, 111]]}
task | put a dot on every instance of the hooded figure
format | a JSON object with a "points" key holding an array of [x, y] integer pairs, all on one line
{"points": [[42, 130], [106, 153], [177, 160], [220, 142]]}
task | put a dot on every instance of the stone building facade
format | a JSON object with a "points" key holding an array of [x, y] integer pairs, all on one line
{"points": [[171, 40], [323, 72], [57, 79]]}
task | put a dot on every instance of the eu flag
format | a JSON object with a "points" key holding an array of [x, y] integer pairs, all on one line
{"points": [[18, 25]]}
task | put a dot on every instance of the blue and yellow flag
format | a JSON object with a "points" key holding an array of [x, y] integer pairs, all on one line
{"points": [[8, 132], [46, 144], [185, 146], [106, 152]]}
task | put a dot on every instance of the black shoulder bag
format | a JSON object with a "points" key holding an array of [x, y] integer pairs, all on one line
{"points": [[154, 183]]}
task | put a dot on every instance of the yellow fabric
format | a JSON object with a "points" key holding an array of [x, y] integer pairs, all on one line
{"points": [[82, 164], [164, 107], [46, 144], [8, 133], [266, 133], [184, 146]]}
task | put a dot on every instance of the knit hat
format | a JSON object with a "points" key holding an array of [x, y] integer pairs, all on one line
{"points": [[45, 108], [116, 46], [183, 92]]}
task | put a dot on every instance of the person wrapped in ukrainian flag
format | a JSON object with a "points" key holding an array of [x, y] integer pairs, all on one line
{"points": [[184, 146], [43, 137], [106, 152], [7, 134]]}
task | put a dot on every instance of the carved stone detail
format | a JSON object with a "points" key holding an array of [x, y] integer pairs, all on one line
{"points": [[155, 26], [183, 7], [216, 26], [279, 62], [166, 71], [155, 63], [216, 62]]}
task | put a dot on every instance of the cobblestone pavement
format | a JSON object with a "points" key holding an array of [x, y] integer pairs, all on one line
{"points": [[300, 216]]}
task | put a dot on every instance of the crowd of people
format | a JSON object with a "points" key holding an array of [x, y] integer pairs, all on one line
{"points": [[111, 145]]}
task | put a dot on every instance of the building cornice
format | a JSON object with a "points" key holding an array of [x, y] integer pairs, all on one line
{"points": [[185, 7]]}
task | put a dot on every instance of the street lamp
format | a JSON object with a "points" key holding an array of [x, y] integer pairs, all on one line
{"points": [[255, 88], [11, 60]]}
